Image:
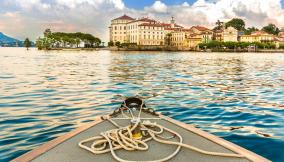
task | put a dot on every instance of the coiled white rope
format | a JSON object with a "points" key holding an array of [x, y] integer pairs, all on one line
{"points": [[122, 138]]}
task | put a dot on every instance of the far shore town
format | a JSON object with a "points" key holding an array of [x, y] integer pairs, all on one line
{"points": [[148, 32]]}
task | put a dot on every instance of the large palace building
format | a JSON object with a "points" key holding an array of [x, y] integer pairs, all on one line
{"points": [[143, 31], [149, 32]]}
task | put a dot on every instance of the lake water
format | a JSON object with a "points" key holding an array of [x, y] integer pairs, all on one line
{"points": [[239, 97]]}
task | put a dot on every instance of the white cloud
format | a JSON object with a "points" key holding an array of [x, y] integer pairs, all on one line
{"points": [[185, 4], [30, 4], [158, 7], [206, 12], [118, 4]]}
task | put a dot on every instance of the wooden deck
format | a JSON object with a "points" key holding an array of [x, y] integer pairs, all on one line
{"points": [[49, 146]]}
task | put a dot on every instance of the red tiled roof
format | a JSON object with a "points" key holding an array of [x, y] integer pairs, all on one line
{"points": [[276, 39], [259, 33], [193, 35], [167, 28], [145, 19], [124, 17], [280, 39], [151, 24], [179, 29], [281, 33], [169, 25], [200, 28], [187, 30]]}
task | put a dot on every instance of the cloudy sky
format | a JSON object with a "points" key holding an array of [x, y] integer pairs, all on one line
{"points": [[28, 18]]}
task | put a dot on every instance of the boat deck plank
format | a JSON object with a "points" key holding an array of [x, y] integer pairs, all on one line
{"points": [[69, 151]]}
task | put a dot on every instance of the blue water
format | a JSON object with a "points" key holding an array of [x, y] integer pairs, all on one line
{"points": [[239, 97]]}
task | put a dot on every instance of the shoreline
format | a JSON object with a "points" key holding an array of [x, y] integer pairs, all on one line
{"points": [[159, 50], [193, 51], [200, 51]]}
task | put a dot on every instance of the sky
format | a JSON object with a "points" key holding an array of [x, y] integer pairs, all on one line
{"points": [[29, 18]]}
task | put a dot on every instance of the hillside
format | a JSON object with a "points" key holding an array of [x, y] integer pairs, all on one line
{"points": [[6, 41]]}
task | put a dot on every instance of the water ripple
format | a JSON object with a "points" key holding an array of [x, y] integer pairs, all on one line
{"points": [[239, 97]]}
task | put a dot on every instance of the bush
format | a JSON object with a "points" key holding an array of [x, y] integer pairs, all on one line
{"points": [[117, 44], [214, 44], [230, 45], [244, 44], [110, 44], [281, 46], [233, 45]]}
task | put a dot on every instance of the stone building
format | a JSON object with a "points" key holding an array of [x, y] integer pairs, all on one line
{"points": [[118, 29], [206, 33], [230, 34], [149, 32], [143, 31], [258, 36]]}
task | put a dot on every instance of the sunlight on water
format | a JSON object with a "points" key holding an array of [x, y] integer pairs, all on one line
{"points": [[239, 97]]}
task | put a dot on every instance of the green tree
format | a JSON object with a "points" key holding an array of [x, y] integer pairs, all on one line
{"points": [[27, 43], [237, 23], [271, 29], [281, 46], [47, 42], [39, 43], [117, 44], [78, 41], [110, 44], [64, 40], [219, 25], [47, 33], [250, 30]]}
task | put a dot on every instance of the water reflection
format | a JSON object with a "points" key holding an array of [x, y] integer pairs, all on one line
{"points": [[236, 96]]}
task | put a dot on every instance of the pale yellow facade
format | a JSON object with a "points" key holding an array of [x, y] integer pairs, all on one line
{"points": [[145, 32], [118, 29], [149, 32], [193, 41], [186, 39], [207, 34], [178, 38], [230, 35], [142, 31], [259, 36]]}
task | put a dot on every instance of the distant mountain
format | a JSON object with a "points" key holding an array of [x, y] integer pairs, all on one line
{"points": [[6, 39]]}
